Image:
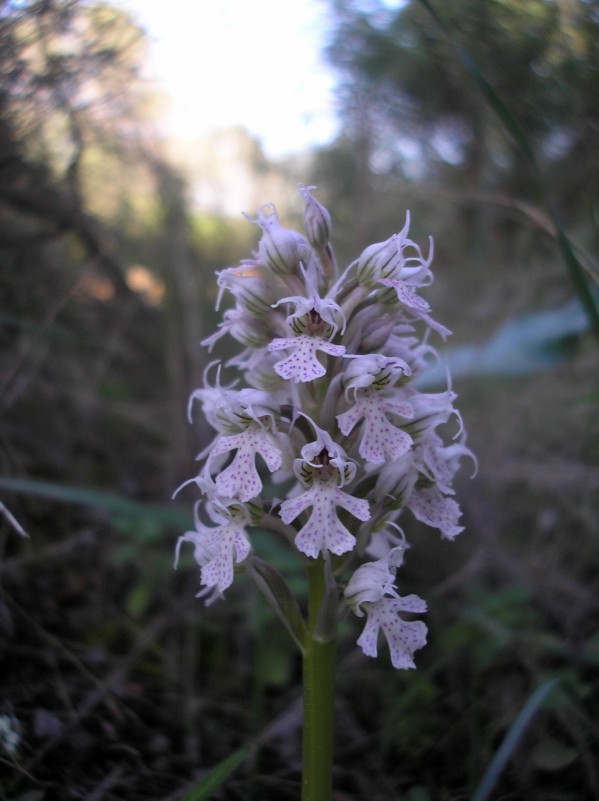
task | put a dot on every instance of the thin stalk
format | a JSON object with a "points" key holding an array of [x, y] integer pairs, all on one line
{"points": [[319, 696]]}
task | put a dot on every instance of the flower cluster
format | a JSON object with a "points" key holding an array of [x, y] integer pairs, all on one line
{"points": [[328, 414]]}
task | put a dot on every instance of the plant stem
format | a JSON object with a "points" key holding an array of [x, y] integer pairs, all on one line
{"points": [[319, 696]]}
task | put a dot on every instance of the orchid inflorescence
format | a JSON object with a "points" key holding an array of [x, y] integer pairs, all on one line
{"points": [[328, 403]]}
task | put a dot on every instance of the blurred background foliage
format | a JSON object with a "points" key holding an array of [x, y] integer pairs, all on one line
{"points": [[117, 683]]}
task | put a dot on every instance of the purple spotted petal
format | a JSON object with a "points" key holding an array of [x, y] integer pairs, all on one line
{"points": [[432, 508], [380, 441], [303, 364], [233, 547], [241, 479], [406, 295], [403, 637], [324, 531]]}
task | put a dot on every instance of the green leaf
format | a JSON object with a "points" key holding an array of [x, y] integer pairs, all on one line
{"points": [[552, 755], [214, 778], [513, 128], [139, 599], [278, 594], [111, 503], [509, 122], [512, 738]]}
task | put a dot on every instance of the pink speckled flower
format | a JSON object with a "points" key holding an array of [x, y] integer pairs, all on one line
{"points": [[433, 508], [218, 549], [403, 637], [371, 591], [323, 530], [303, 364], [241, 478], [380, 440]]}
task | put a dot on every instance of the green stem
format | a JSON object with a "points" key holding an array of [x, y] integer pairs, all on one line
{"points": [[319, 696]]}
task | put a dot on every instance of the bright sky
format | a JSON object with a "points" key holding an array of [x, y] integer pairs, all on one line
{"points": [[235, 62]]}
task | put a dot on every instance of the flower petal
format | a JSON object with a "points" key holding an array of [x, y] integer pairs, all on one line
{"points": [[432, 508], [403, 637], [234, 548], [381, 440], [406, 296], [241, 478], [324, 531], [303, 364]]}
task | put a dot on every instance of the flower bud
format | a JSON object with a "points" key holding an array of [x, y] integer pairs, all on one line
{"points": [[369, 583], [372, 260], [384, 258], [317, 220], [231, 411], [361, 370], [250, 332], [260, 372], [247, 283], [377, 331], [374, 370], [280, 248], [396, 481]]}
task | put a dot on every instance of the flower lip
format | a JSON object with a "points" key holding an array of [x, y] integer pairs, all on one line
{"points": [[302, 365]]}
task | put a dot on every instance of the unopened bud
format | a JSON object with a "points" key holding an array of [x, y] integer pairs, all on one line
{"points": [[375, 329], [251, 332], [280, 248], [377, 261], [317, 220], [260, 373], [383, 259], [368, 584], [247, 283]]}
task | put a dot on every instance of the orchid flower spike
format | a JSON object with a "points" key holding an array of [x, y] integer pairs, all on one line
{"points": [[324, 438]]}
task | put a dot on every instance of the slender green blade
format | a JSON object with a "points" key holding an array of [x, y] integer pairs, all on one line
{"points": [[507, 118], [512, 738], [576, 272], [85, 496], [277, 592], [217, 776], [513, 128]]}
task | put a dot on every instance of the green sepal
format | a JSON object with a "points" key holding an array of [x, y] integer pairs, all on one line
{"points": [[256, 512]]}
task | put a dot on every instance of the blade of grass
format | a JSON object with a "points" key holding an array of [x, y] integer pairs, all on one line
{"points": [[509, 122], [217, 776], [513, 128], [512, 738], [4, 510], [106, 501]]}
